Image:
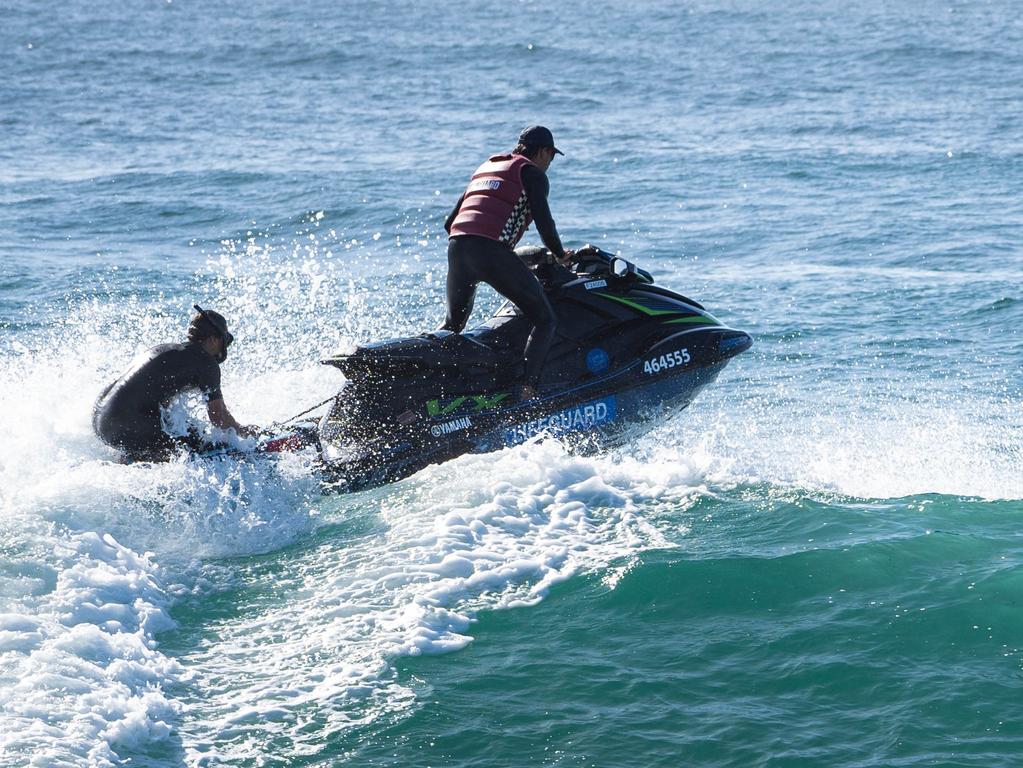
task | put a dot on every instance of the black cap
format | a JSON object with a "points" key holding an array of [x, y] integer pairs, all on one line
{"points": [[206, 320], [538, 136]]}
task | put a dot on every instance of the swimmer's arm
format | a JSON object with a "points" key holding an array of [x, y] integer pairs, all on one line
{"points": [[222, 418]]}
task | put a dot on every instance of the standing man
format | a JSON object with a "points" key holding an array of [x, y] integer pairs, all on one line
{"points": [[504, 196], [127, 413]]}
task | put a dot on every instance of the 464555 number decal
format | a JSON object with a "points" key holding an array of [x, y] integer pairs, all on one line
{"points": [[668, 360]]}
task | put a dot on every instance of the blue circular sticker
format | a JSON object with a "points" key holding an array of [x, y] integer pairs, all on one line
{"points": [[597, 360]]}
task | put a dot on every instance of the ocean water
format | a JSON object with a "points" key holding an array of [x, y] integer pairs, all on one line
{"points": [[817, 564]]}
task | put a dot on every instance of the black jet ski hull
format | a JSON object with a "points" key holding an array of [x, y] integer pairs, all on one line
{"points": [[600, 414]]}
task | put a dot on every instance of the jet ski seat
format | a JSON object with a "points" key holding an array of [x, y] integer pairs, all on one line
{"points": [[428, 351]]}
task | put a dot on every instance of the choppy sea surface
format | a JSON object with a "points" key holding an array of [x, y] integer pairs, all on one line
{"points": [[817, 564]]}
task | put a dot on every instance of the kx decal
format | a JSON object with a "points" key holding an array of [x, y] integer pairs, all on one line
{"points": [[472, 403]]}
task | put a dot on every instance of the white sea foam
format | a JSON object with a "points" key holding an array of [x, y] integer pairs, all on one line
{"points": [[863, 442], [481, 532], [81, 677]]}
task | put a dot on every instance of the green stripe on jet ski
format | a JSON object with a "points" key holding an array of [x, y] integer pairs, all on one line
{"points": [[694, 319], [702, 319], [638, 306]]}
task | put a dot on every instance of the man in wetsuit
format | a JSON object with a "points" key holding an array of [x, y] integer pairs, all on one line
{"points": [[127, 413], [504, 196]]}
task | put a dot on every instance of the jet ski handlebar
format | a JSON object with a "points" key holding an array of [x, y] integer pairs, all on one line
{"points": [[591, 260], [588, 260]]}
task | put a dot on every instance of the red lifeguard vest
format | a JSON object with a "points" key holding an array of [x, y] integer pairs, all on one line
{"points": [[495, 204]]}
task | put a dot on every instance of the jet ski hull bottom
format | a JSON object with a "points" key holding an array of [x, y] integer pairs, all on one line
{"points": [[597, 422]]}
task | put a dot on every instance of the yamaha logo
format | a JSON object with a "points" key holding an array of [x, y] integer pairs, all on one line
{"points": [[450, 426]]}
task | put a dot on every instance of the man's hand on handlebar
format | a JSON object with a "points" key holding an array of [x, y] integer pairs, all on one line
{"points": [[567, 260]]}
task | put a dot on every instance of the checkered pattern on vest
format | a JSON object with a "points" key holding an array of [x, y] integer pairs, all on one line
{"points": [[519, 219]]}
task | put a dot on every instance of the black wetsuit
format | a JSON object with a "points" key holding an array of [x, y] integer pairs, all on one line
{"points": [[127, 413], [473, 260]]}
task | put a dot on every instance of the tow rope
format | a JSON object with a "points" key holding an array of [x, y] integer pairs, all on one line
{"points": [[307, 410]]}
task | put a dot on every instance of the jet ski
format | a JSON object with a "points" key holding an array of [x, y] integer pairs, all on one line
{"points": [[627, 353]]}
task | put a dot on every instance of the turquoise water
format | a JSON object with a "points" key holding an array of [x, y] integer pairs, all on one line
{"points": [[818, 563]]}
